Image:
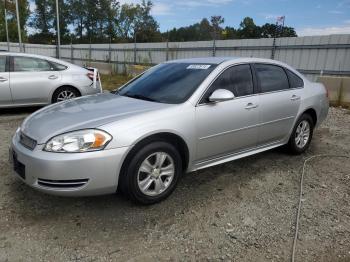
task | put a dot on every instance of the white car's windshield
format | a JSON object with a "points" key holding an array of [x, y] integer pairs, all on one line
{"points": [[171, 83]]}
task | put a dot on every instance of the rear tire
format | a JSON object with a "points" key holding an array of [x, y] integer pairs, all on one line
{"points": [[152, 173], [301, 136], [64, 93]]}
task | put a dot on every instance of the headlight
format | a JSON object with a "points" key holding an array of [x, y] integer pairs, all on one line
{"points": [[78, 141]]}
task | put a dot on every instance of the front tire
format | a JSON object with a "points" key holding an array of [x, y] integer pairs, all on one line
{"points": [[301, 136], [152, 173]]}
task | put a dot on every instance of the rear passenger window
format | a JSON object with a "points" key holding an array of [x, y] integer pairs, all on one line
{"points": [[2, 63], [237, 79], [30, 64], [57, 66], [294, 80], [271, 78]]}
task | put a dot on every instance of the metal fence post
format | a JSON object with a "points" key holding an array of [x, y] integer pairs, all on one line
{"points": [[71, 53], [167, 50], [214, 47], [273, 48], [135, 49], [90, 52], [110, 51]]}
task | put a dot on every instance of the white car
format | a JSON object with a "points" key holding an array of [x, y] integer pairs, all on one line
{"points": [[27, 79]]}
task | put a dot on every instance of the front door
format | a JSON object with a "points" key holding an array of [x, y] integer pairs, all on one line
{"points": [[231, 126], [5, 93]]}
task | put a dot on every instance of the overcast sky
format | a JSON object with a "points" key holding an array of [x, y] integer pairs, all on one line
{"points": [[308, 17]]}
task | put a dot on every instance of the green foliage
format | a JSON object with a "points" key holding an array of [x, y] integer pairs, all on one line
{"points": [[12, 21], [103, 21], [248, 29]]}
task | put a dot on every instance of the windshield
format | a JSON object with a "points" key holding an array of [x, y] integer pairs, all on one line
{"points": [[171, 83]]}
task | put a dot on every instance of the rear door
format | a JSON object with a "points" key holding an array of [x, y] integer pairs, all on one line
{"points": [[5, 93], [32, 80], [279, 104]]}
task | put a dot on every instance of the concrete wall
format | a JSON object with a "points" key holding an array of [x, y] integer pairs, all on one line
{"points": [[338, 90], [311, 55]]}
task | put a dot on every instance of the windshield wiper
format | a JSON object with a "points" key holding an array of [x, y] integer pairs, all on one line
{"points": [[138, 96]]}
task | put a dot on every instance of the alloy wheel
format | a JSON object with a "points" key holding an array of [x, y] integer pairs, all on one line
{"points": [[156, 173], [65, 95], [302, 134]]}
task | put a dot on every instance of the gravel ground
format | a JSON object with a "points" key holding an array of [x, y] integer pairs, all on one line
{"points": [[240, 211]]}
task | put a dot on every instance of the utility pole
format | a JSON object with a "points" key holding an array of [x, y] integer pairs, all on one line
{"points": [[58, 31], [19, 28], [6, 28]]}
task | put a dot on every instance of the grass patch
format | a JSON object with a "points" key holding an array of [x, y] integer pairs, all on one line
{"points": [[111, 82]]}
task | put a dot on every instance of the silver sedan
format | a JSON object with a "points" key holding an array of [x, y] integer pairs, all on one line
{"points": [[177, 117], [27, 80]]}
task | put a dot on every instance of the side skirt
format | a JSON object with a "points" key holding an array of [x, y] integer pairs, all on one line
{"points": [[231, 157]]}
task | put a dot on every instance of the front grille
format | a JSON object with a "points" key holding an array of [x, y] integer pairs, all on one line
{"points": [[74, 183], [26, 141]]}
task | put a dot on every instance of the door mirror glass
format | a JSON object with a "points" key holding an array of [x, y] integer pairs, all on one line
{"points": [[221, 95]]}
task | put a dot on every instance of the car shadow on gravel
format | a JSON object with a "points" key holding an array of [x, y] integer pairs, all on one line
{"points": [[19, 110]]}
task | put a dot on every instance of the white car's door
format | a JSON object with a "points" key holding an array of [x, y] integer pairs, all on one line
{"points": [[230, 126], [279, 104], [32, 80], [5, 93]]}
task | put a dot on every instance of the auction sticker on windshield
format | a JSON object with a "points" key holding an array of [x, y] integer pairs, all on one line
{"points": [[203, 67]]}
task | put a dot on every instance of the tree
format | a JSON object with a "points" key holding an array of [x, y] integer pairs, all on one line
{"points": [[12, 19], [110, 9], [146, 27], [248, 29], [271, 30], [229, 33], [216, 21]]}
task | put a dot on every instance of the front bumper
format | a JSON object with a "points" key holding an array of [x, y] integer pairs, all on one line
{"points": [[99, 169]]}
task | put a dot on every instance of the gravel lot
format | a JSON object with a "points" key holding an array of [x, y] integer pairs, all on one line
{"points": [[239, 211]]}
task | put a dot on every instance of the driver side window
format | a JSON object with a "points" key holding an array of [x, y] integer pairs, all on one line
{"points": [[237, 79]]}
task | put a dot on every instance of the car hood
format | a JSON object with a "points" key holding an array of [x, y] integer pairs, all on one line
{"points": [[85, 112]]}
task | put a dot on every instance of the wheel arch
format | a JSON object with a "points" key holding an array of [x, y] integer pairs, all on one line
{"points": [[177, 141], [312, 112]]}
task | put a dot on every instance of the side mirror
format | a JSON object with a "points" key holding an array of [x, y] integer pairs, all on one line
{"points": [[221, 95]]}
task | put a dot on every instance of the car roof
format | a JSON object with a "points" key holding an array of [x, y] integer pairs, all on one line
{"points": [[203, 60], [235, 60], [219, 60], [40, 56]]}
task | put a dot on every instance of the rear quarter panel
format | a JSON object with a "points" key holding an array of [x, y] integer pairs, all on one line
{"points": [[315, 97]]}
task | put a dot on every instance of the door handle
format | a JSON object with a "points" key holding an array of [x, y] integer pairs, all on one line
{"points": [[250, 106], [295, 97], [52, 77], [2, 79]]}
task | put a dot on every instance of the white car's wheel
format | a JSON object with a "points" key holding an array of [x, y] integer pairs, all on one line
{"points": [[64, 93]]}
